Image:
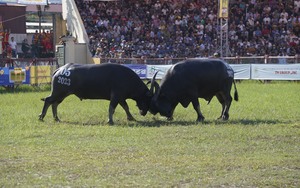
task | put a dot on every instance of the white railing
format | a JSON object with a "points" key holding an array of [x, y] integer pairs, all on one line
{"points": [[230, 60]]}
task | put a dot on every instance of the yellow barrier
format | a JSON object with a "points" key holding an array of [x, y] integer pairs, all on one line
{"points": [[41, 74]]}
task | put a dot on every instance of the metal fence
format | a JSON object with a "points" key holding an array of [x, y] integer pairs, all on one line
{"points": [[155, 61], [40, 69], [18, 71], [230, 60], [22, 62]]}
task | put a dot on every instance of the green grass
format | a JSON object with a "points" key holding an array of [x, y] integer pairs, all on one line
{"points": [[258, 146]]}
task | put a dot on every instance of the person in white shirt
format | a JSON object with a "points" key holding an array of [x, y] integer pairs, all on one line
{"points": [[283, 20], [13, 46]]}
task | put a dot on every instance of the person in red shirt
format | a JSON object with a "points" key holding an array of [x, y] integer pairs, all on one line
{"points": [[266, 32], [2, 40], [35, 44], [6, 38], [47, 42]]}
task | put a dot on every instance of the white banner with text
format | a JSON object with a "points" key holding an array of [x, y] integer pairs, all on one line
{"points": [[275, 71], [33, 2]]}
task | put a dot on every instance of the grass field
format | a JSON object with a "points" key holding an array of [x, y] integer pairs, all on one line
{"points": [[258, 147]]}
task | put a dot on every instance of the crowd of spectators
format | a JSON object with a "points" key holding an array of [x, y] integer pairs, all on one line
{"points": [[190, 28], [41, 45]]}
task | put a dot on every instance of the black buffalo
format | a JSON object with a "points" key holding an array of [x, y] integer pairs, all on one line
{"points": [[112, 82], [191, 79]]}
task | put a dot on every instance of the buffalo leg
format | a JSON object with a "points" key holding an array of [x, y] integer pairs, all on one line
{"points": [[171, 117], [54, 111], [226, 102], [112, 106], [227, 107], [225, 98], [126, 108], [54, 101], [222, 101], [45, 108], [196, 106]]}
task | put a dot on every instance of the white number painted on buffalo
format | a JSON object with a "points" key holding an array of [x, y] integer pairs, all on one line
{"points": [[65, 72], [64, 81]]}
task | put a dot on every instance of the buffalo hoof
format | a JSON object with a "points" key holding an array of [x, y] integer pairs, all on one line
{"points": [[110, 122], [200, 119], [41, 117], [143, 113], [131, 119], [57, 119], [224, 118]]}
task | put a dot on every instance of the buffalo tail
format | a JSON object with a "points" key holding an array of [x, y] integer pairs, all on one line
{"points": [[236, 95]]}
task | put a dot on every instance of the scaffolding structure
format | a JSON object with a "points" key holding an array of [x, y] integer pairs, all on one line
{"points": [[223, 13]]}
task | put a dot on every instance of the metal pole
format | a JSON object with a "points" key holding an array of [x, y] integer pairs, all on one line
{"points": [[227, 44], [54, 30], [40, 17], [221, 37]]}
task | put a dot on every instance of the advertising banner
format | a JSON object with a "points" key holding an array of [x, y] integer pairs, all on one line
{"points": [[30, 1], [40, 74], [241, 71], [19, 75], [14, 75], [9, 1], [138, 69], [152, 69], [223, 9], [33, 2], [4, 76], [54, 1], [275, 71]]}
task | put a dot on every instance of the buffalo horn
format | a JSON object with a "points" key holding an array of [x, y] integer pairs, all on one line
{"points": [[154, 85]]}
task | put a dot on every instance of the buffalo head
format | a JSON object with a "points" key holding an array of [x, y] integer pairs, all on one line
{"points": [[143, 103], [160, 102]]}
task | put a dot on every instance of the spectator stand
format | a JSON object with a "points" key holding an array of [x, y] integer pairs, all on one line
{"points": [[178, 29]]}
